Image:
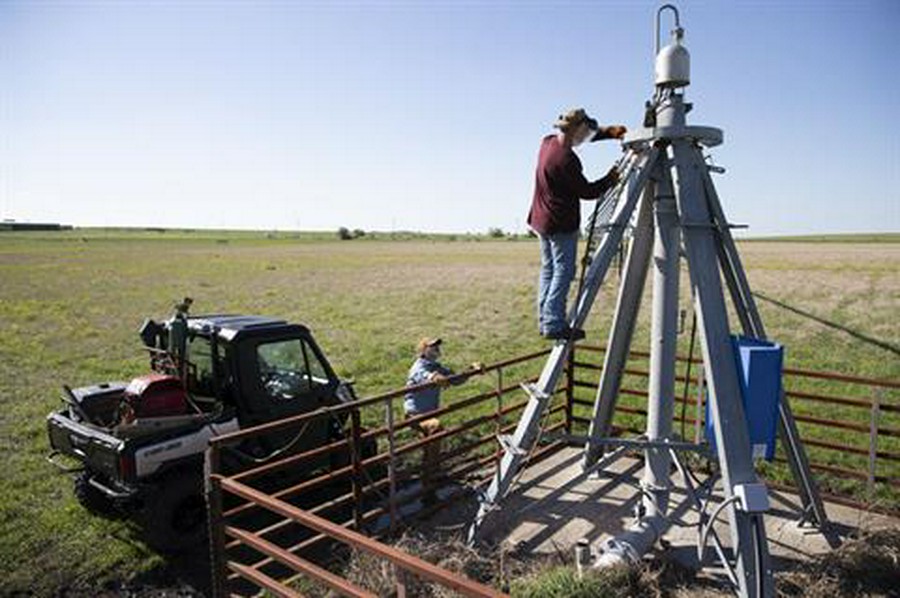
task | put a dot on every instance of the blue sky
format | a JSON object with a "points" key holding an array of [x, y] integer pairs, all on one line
{"points": [[427, 115]]}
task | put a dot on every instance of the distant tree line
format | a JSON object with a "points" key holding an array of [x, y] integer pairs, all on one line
{"points": [[346, 234]]}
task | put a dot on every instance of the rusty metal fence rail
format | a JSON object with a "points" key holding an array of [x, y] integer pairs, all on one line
{"points": [[258, 533], [864, 434], [275, 524], [403, 562]]}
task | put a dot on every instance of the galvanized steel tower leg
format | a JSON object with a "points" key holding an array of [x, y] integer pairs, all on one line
{"points": [[522, 441], [732, 437], [752, 324], [627, 307], [663, 345], [656, 484]]}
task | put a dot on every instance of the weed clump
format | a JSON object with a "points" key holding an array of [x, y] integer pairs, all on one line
{"points": [[613, 582], [449, 553], [865, 566]]}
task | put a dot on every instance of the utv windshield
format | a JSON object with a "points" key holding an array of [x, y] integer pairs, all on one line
{"points": [[290, 369]]}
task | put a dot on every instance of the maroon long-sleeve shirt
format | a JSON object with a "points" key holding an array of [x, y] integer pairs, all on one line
{"points": [[559, 185]]}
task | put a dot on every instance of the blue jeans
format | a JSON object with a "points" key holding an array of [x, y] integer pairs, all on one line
{"points": [[557, 271]]}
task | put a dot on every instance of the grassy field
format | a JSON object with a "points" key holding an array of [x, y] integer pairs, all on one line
{"points": [[837, 238], [71, 303]]}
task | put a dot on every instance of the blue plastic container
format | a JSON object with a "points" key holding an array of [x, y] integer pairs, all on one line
{"points": [[759, 366]]}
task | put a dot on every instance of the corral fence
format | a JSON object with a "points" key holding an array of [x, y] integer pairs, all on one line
{"points": [[285, 524]]}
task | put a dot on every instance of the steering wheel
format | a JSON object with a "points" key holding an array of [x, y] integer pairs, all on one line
{"points": [[282, 385]]}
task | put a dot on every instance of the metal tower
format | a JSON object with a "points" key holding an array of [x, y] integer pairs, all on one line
{"points": [[667, 189]]}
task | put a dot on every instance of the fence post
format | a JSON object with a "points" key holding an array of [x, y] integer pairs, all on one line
{"points": [[392, 465], [212, 487], [873, 440], [400, 576], [356, 476], [498, 416], [698, 409]]}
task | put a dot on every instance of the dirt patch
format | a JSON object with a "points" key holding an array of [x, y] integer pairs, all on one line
{"points": [[182, 575]]}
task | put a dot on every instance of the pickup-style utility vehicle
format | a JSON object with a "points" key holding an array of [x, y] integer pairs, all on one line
{"points": [[140, 444]]}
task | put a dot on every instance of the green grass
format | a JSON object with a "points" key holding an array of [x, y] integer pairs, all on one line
{"points": [[88, 234], [563, 582], [71, 303], [836, 238]]}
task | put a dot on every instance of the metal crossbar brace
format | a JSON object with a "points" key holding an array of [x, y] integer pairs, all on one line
{"points": [[641, 443], [698, 505]]}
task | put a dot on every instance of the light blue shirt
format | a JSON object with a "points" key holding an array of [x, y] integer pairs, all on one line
{"points": [[427, 399]]}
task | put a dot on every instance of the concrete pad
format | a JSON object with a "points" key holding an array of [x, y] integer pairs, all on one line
{"points": [[554, 505]]}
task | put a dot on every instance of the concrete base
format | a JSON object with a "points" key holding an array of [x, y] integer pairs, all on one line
{"points": [[554, 505]]}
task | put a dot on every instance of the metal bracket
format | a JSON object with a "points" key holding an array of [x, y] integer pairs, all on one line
{"points": [[639, 443], [52, 459], [533, 391], [506, 443]]}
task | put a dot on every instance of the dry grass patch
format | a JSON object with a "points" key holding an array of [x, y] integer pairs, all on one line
{"points": [[867, 566]]}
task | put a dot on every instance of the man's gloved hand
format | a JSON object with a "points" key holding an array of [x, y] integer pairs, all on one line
{"points": [[612, 177], [616, 132], [439, 379], [610, 132], [430, 426], [477, 366]]}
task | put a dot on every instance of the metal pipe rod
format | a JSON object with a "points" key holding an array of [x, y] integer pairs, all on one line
{"points": [[663, 345], [415, 565], [642, 444], [629, 546], [338, 584], [392, 464], [296, 420]]}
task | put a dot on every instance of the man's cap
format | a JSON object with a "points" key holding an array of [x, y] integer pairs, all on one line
{"points": [[428, 341], [573, 118]]}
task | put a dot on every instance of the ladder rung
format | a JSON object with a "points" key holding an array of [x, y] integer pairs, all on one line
{"points": [[534, 392], [506, 442]]}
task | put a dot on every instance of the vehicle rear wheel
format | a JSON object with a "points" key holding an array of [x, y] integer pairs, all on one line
{"points": [[91, 498], [174, 519]]}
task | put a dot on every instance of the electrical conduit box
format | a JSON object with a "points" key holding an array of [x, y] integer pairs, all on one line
{"points": [[759, 365]]}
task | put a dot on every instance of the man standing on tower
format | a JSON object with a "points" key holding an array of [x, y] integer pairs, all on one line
{"points": [[555, 213]]}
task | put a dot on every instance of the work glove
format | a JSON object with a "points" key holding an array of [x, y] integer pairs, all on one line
{"points": [[477, 366], [616, 131], [439, 379], [611, 177], [610, 132]]}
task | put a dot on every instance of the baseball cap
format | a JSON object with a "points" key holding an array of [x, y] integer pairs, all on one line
{"points": [[428, 341], [575, 117]]}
